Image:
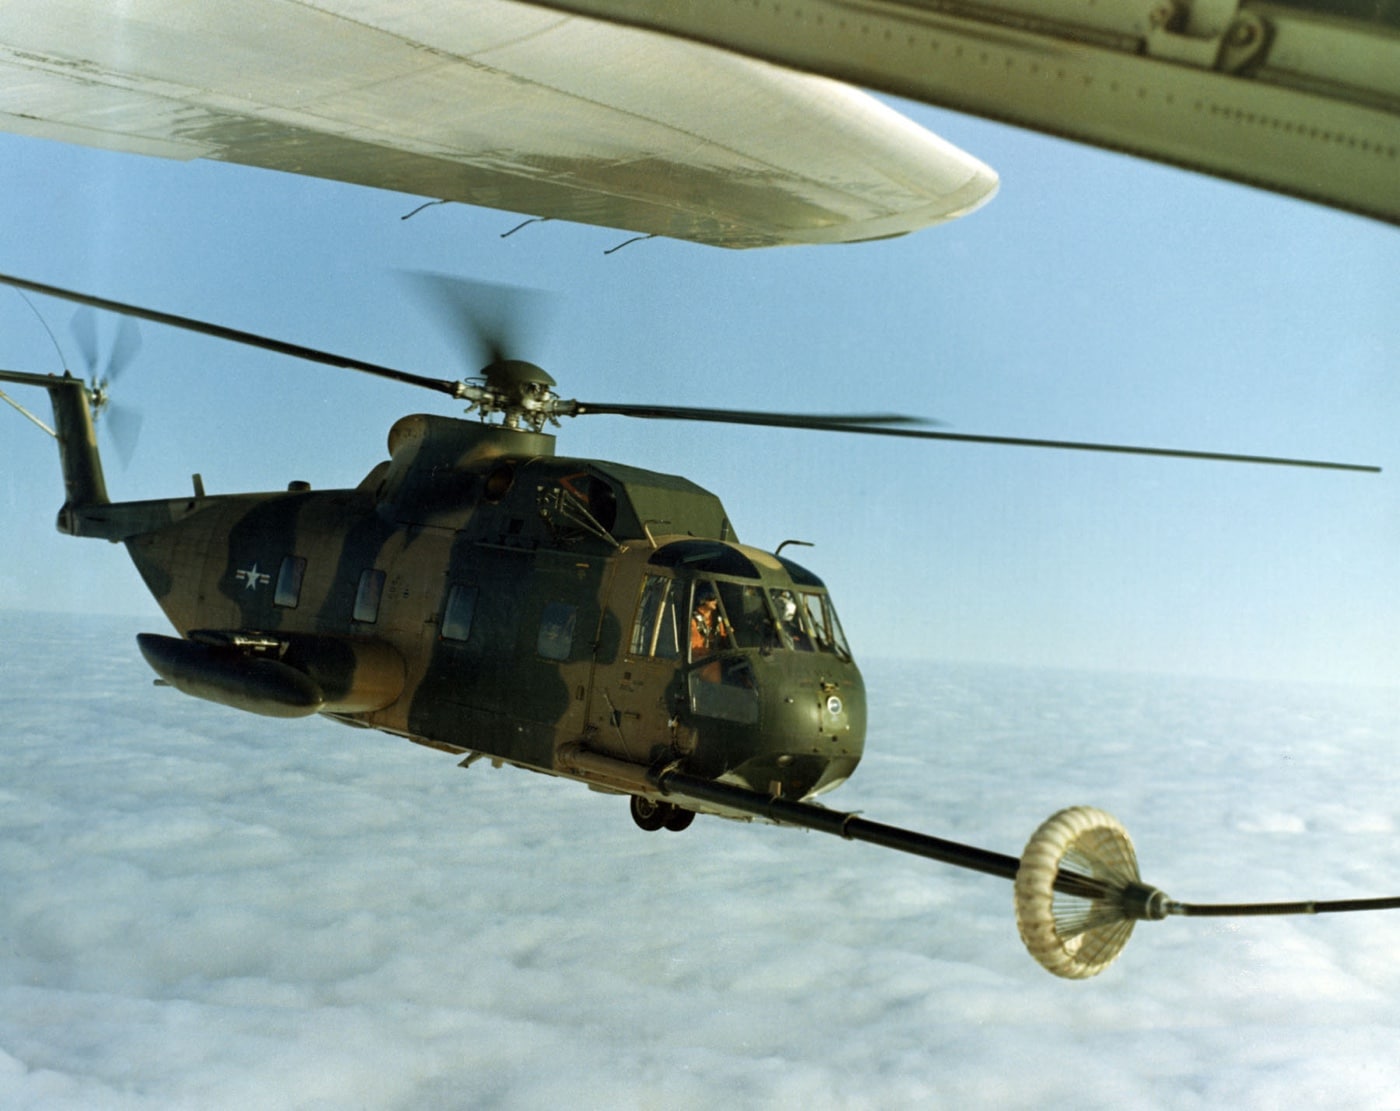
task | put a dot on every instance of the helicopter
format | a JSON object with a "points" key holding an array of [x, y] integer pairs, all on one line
{"points": [[480, 594]]}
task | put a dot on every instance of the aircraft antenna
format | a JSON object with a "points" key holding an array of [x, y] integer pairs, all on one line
{"points": [[44, 324]]}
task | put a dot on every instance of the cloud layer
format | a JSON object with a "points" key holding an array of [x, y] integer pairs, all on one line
{"points": [[208, 909]]}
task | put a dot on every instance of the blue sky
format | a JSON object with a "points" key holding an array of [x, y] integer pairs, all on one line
{"points": [[1097, 297]]}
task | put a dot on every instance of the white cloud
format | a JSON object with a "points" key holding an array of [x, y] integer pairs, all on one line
{"points": [[207, 909]]}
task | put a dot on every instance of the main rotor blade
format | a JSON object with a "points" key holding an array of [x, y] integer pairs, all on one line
{"points": [[1122, 449], [873, 425], [880, 426], [234, 335], [821, 422], [488, 321]]}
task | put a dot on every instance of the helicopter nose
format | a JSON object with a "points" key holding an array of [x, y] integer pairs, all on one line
{"points": [[812, 735]]}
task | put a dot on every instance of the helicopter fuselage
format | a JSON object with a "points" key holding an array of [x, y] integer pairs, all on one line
{"points": [[478, 594]]}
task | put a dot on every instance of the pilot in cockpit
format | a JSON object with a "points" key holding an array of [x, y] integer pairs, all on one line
{"points": [[787, 617], [708, 630]]}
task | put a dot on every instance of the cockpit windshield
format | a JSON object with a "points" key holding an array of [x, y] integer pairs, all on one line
{"points": [[807, 621], [723, 615], [821, 618], [789, 620]]}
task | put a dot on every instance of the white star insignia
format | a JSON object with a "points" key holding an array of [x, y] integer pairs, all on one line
{"points": [[252, 578]]}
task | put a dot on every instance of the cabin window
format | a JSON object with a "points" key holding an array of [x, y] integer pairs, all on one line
{"points": [[289, 582], [556, 639], [656, 632], [367, 596], [457, 613]]}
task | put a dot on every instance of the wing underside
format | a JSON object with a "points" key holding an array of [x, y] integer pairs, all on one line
{"points": [[490, 103]]}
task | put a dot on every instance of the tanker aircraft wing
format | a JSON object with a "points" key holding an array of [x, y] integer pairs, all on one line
{"points": [[486, 102], [1298, 96]]}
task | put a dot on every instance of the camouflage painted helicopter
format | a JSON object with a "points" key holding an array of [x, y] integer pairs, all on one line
{"points": [[479, 594]]}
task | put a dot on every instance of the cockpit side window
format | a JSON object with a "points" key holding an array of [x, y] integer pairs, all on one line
{"points": [[710, 630], [724, 616], [656, 632]]}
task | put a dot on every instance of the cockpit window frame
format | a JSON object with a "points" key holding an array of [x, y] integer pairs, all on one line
{"points": [[749, 614], [657, 614], [706, 557], [800, 575]]}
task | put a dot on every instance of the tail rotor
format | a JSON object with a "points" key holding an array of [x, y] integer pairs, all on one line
{"points": [[102, 365]]}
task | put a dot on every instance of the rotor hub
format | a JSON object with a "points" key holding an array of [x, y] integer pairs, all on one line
{"points": [[518, 390]]}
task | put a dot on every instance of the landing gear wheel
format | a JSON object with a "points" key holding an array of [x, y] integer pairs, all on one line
{"points": [[1073, 935], [679, 818], [649, 814]]}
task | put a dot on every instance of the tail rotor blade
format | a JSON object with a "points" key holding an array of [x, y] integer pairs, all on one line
{"points": [[124, 427], [101, 367], [124, 348], [84, 329]]}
